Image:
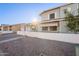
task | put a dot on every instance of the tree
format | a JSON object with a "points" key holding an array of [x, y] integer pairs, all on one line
{"points": [[71, 21], [77, 22]]}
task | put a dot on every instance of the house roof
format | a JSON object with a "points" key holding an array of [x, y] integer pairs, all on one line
{"points": [[55, 8]]}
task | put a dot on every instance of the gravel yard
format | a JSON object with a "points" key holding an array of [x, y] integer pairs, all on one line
{"points": [[30, 46]]}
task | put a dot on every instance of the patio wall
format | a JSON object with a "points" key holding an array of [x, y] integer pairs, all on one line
{"points": [[70, 38]]}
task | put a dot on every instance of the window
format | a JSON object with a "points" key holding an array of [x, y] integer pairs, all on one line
{"points": [[52, 16], [45, 28], [65, 10], [53, 28]]}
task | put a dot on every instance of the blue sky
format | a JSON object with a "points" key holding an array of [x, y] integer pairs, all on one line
{"points": [[22, 13]]}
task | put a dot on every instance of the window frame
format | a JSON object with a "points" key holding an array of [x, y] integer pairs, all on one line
{"points": [[49, 16]]}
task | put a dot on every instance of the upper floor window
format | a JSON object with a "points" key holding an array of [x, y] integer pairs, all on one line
{"points": [[52, 16], [65, 10]]}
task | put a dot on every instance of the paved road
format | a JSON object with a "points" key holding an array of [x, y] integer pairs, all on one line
{"points": [[17, 45]]}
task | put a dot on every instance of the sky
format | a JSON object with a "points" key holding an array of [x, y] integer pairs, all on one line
{"points": [[14, 13]]}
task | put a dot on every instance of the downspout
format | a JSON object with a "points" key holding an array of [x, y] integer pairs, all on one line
{"points": [[59, 29]]}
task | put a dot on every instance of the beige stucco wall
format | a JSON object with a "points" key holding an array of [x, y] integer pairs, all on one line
{"points": [[63, 26], [16, 27], [45, 16], [50, 24]]}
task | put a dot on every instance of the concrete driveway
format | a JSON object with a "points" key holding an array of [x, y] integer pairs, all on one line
{"points": [[17, 45]]}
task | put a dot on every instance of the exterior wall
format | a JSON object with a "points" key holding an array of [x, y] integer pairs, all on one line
{"points": [[28, 28], [63, 27], [15, 27], [5, 28], [39, 28], [45, 16], [59, 12], [18, 27], [71, 8], [50, 24]]}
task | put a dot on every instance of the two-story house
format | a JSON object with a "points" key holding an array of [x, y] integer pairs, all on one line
{"points": [[53, 19]]}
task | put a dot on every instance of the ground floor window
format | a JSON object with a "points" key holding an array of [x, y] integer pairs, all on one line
{"points": [[45, 28], [53, 28], [49, 28]]}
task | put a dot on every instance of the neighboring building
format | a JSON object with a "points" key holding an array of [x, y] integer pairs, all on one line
{"points": [[15, 27], [18, 27], [53, 19]]}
